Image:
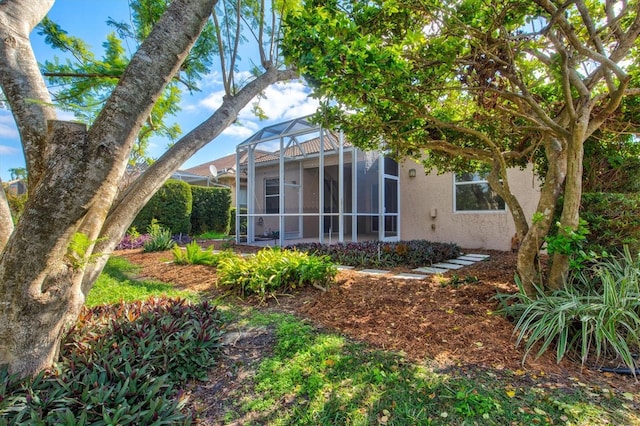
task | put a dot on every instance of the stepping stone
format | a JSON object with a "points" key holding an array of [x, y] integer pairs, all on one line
{"points": [[479, 256], [458, 261], [406, 276], [447, 265], [427, 270], [469, 258], [374, 271], [344, 268]]}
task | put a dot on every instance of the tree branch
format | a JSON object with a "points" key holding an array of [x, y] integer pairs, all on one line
{"points": [[21, 81]]}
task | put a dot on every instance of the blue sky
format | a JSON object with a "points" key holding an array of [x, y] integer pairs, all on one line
{"points": [[87, 19]]}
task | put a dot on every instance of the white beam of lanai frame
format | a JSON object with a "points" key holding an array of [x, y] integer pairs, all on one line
{"points": [[293, 131]]}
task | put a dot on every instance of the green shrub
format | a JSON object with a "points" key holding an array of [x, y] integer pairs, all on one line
{"points": [[193, 254], [616, 217], [121, 364], [16, 204], [170, 206], [210, 210], [596, 315], [274, 269], [159, 238]]}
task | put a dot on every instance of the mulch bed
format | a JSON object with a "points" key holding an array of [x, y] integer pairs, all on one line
{"points": [[430, 321]]}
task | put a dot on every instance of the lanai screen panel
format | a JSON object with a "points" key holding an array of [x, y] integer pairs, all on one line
{"points": [[306, 183], [368, 194]]}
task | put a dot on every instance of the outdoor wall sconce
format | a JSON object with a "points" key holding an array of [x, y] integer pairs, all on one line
{"points": [[412, 172]]}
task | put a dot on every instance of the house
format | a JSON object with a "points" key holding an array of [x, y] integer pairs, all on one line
{"points": [[314, 185], [220, 173], [306, 183], [16, 187]]}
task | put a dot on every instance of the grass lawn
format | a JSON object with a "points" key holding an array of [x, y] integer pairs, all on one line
{"points": [[321, 378], [115, 285]]}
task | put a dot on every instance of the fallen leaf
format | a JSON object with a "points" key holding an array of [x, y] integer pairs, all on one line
{"points": [[511, 393]]}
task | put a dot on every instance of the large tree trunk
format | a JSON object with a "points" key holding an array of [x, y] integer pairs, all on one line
{"points": [[528, 267], [570, 217], [40, 276]]}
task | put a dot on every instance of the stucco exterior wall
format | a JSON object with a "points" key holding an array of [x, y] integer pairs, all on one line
{"points": [[427, 210]]}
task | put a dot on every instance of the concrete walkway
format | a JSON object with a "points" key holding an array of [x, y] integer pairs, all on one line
{"points": [[423, 272]]}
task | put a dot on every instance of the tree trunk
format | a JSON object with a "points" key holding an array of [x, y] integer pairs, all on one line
{"points": [[570, 217], [41, 277], [528, 267], [138, 193], [502, 189]]}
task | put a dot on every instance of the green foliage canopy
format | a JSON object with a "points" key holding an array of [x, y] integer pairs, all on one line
{"points": [[471, 82]]}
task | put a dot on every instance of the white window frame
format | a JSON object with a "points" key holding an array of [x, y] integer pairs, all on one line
{"points": [[477, 180]]}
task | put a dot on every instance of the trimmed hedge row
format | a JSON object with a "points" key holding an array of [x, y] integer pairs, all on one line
{"points": [[211, 210], [186, 209], [170, 206]]}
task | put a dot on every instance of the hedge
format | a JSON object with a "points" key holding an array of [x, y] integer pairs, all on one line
{"points": [[171, 206], [210, 211]]}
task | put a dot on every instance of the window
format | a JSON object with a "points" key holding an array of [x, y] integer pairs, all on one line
{"points": [[272, 195], [473, 193]]}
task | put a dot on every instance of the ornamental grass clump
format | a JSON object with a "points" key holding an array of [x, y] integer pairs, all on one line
{"points": [[596, 315], [274, 269], [193, 254], [121, 364], [160, 238]]}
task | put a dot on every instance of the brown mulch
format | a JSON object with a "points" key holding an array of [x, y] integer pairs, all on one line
{"points": [[429, 320]]}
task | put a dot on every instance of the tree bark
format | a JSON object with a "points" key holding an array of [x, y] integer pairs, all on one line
{"points": [[570, 217], [528, 268], [21, 80], [40, 277], [502, 188]]}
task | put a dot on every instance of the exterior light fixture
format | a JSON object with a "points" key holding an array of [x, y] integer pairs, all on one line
{"points": [[412, 173]]}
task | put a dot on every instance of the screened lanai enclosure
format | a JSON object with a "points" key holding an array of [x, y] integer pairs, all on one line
{"points": [[307, 183]]}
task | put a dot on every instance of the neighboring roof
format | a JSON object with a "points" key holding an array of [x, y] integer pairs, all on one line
{"points": [[222, 164], [187, 177]]}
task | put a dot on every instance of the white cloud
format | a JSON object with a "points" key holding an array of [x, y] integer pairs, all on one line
{"points": [[238, 132], [8, 150], [8, 127], [283, 101], [212, 101], [241, 131], [66, 115], [213, 79]]}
